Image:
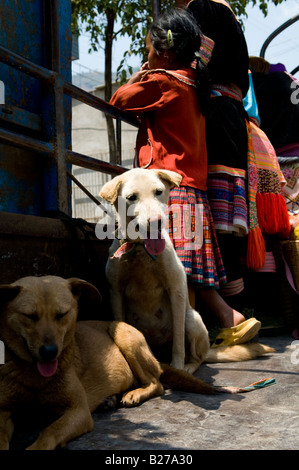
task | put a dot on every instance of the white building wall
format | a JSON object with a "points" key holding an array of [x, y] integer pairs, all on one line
{"points": [[89, 137]]}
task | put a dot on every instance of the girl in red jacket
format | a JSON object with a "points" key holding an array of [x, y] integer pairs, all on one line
{"points": [[171, 98]]}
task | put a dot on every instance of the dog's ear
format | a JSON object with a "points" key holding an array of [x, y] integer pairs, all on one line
{"points": [[7, 293], [80, 288], [89, 298], [110, 190], [171, 177]]}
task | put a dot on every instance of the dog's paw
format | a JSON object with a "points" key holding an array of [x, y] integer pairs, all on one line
{"points": [[191, 367], [131, 398], [110, 403]]}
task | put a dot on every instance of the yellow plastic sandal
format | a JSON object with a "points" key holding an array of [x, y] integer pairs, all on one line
{"points": [[239, 334]]}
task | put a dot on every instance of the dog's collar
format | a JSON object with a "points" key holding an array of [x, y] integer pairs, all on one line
{"points": [[130, 248]]}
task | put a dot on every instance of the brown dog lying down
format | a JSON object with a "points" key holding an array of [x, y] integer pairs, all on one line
{"points": [[71, 366]]}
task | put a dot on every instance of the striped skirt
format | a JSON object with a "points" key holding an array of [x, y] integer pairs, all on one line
{"points": [[228, 199], [191, 229]]}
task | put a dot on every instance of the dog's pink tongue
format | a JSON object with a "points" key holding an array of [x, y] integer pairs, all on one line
{"points": [[47, 369], [155, 246]]}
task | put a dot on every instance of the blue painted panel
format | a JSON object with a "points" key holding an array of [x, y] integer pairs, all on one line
{"points": [[21, 31], [28, 181]]}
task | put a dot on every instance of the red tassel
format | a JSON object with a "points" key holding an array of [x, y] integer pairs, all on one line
{"points": [[273, 214], [256, 250]]}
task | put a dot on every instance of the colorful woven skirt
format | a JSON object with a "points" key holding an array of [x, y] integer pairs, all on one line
{"points": [[227, 198], [191, 229]]}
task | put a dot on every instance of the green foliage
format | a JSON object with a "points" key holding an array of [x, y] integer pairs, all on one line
{"points": [[239, 6], [134, 17]]}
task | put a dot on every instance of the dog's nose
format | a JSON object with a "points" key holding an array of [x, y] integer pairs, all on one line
{"points": [[48, 352]]}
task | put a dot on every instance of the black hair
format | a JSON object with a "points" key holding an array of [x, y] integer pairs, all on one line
{"points": [[177, 31]]}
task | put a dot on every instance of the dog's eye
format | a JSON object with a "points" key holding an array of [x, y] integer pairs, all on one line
{"points": [[59, 316], [158, 192], [31, 316], [132, 198]]}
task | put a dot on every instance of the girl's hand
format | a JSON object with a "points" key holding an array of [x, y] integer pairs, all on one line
{"points": [[138, 75], [144, 66]]}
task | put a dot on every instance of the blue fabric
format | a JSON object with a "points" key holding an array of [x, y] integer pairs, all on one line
{"points": [[250, 103]]}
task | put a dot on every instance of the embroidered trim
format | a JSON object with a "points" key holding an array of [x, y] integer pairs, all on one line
{"points": [[178, 76], [225, 169], [231, 90], [129, 248]]}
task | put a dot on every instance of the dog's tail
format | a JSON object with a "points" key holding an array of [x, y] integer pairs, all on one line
{"points": [[177, 379], [237, 353]]}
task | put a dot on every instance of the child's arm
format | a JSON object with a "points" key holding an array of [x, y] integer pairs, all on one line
{"points": [[139, 97]]}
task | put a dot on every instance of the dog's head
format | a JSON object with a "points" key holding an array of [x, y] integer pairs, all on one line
{"points": [[38, 318], [140, 197]]}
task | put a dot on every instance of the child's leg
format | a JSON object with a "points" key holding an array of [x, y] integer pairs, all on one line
{"points": [[233, 327], [226, 315]]}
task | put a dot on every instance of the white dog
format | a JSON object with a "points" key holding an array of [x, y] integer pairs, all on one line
{"points": [[147, 280]]}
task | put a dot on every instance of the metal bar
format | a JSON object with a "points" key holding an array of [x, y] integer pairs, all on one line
{"points": [[59, 129], [24, 65], [48, 148], [40, 73], [276, 32], [58, 149], [99, 104], [55, 44], [156, 8], [20, 117], [60, 146], [118, 141], [80, 185], [93, 163], [91, 196], [19, 140]]}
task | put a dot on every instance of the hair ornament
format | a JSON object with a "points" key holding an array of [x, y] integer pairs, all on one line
{"points": [[169, 38]]}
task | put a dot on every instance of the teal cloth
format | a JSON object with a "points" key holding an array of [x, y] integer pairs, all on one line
{"points": [[250, 103]]}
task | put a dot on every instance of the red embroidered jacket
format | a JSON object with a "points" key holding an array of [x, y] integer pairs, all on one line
{"points": [[172, 130]]}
